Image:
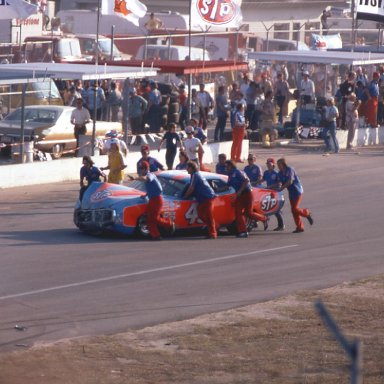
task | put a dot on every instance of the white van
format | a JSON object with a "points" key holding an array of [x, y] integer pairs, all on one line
{"points": [[173, 52]]}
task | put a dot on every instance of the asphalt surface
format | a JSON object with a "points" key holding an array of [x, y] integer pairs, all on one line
{"points": [[58, 282]]}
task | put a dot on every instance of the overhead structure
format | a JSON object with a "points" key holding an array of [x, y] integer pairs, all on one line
{"points": [[66, 71], [193, 67], [320, 57], [81, 71]]}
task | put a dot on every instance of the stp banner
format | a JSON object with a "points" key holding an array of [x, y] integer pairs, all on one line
{"points": [[217, 13], [370, 10]]}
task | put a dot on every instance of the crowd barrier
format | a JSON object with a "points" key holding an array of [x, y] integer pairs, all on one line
{"points": [[68, 169]]}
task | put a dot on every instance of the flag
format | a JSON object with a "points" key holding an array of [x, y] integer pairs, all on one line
{"points": [[217, 13], [370, 10], [131, 10], [16, 9]]}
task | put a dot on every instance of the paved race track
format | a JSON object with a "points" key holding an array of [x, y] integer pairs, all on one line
{"points": [[61, 283]]}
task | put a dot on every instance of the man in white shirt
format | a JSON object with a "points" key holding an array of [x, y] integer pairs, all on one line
{"points": [[307, 89], [205, 102], [79, 118], [192, 145]]}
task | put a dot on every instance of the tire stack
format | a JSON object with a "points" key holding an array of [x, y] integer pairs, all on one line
{"points": [[174, 108], [164, 110]]}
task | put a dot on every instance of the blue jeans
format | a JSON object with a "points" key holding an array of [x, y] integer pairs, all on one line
{"points": [[329, 134], [220, 127]]}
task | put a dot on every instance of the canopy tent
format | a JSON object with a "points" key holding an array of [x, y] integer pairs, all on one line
{"points": [[320, 57], [80, 71], [9, 78], [70, 72]]}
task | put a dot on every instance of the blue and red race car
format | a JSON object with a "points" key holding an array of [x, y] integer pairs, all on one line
{"points": [[122, 209]]}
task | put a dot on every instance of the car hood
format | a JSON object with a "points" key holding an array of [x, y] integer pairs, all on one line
{"points": [[105, 195]]}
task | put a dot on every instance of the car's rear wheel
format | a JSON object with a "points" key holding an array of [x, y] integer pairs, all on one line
{"points": [[249, 223], [57, 151]]}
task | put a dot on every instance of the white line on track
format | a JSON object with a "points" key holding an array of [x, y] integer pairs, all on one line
{"points": [[145, 272]]}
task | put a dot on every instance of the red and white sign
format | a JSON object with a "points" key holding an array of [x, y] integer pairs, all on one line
{"points": [[218, 13]]}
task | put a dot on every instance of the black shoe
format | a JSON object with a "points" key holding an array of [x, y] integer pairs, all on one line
{"points": [[158, 238], [310, 219], [280, 228], [297, 230], [266, 223], [242, 235], [211, 237]]}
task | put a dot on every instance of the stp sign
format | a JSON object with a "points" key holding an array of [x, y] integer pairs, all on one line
{"points": [[217, 11]]}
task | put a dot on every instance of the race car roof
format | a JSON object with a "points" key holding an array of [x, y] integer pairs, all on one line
{"points": [[320, 57], [80, 71]]}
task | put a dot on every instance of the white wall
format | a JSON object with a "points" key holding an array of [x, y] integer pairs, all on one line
{"points": [[45, 172]]}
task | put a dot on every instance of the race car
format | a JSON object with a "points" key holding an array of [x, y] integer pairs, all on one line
{"points": [[122, 209]]}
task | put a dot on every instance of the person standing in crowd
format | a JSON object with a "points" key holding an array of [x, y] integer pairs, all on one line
{"points": [[205, 103], [380, 106], [281, 95], [360, 76], [153, 23], [250, 98], [88, 174], [271, 178], [244, 83], [324, 21], [183, 99], [265, 82], [346, 88], [114, 101], [222, 109], [253, 171], [243, 199], [172, 139], [372, 103], [95, 108], [238, 134], [79, 118], [116, 164], [290, 181], [329, 131], [192, 145], [154, 165], [183, 160], [361, 94], [137, 106], [351, 118], [113, 134], [205, 196], [155, 203], [199, 133], [307, 89], [268, 119], [154, 108], [221, 168]]}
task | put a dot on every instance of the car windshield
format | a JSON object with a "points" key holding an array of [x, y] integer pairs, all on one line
{"points": [[46, 90], [34, 115], [171, 187]]}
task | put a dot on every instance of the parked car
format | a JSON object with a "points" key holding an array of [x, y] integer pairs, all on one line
{"points": [[122, 209], [49, 127]]}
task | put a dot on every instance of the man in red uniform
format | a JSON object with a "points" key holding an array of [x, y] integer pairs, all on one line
{"points": [[205, 196], [155, 203], [244, 199]]}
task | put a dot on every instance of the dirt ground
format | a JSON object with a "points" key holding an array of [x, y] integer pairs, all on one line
{"points": [[279, 341]]}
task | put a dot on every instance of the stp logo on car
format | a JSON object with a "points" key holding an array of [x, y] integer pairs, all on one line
{"points": [[217, 11], [268, 202], [100, 195]]}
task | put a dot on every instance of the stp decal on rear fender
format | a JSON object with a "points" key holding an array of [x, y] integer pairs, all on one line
{"points": [[269, 202]]}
